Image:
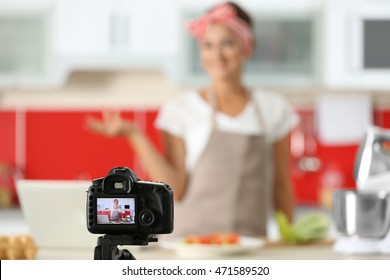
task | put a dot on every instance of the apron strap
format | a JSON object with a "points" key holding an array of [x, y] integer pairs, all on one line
{"points": [[213, 102]]}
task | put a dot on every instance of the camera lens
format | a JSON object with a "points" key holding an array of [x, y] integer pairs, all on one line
{"points": [[146, 218]]}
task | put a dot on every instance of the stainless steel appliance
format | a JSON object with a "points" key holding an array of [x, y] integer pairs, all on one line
{"points": [[362, 216]]}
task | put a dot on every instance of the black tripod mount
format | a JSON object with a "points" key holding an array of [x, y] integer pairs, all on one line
{"points": [[107, 249]]}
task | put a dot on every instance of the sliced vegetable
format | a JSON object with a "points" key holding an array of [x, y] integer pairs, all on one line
{"points": [[311, 227], [217, 238]]}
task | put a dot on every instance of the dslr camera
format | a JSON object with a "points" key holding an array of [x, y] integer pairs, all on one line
{"points": [[120, 203]]}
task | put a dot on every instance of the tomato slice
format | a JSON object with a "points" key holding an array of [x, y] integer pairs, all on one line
{"points": [[217, 238]]}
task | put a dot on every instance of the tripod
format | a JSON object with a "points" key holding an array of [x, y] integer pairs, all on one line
{"points": [[107, 249]]}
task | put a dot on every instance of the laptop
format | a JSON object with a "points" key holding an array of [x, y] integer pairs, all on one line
{"points": [[102, 219], [55, 212]]}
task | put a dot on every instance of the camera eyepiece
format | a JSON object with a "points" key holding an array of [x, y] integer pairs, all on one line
{"points": [[117, 184]]}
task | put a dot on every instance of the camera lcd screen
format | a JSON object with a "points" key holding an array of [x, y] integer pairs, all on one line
{"points": [[115, 211]]}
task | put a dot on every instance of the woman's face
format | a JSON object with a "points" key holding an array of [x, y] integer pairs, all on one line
{"points": [[221, 54]]}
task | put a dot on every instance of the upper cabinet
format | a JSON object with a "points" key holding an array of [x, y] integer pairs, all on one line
{"points": [[288, 46], [357, 44], [82, 27], [114, 33], [42, 41], [26, 48], [299, 43]]}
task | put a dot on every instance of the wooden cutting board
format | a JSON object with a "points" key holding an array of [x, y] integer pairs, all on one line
{"points": [[279, 243]]}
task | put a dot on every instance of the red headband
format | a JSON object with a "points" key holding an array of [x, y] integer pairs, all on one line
{"points": [[224, 14]]}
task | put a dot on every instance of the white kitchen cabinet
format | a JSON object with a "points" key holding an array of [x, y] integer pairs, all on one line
{"points": [[154, 25], [288, 52], [115, 34], [111, 29], [82, 27], [26, 47], [356, 36], [43, 41]]}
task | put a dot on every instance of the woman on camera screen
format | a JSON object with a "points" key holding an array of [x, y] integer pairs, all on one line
{"points": [[115, 215], [226, 146]]}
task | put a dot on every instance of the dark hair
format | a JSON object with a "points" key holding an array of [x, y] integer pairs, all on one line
{"points": [[239, 12], [242, 14]]}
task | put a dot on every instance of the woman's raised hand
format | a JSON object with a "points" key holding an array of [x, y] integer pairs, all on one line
{"points": [[111, 124]]}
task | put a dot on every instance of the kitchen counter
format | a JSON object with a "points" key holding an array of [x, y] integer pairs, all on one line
{"points": [[271, 251], [12, 222]]}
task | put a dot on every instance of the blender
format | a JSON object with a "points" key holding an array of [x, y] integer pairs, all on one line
{"points": [[362, 216]]}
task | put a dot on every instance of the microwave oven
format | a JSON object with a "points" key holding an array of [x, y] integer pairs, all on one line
{"points": [[357, 46]]}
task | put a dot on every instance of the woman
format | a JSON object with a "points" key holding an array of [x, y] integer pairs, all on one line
{"points": [[115, 215], [224, 144]]}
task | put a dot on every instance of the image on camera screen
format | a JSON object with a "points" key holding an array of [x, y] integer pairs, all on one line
{"points": [[115, 211]]}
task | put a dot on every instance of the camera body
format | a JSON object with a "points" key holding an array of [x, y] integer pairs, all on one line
{"points": [[120, 203]]}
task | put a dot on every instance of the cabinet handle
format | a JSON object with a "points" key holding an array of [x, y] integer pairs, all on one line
{"points": [[119, 29]]}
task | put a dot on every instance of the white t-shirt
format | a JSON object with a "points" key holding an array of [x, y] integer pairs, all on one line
{"points": [[189, 117]]}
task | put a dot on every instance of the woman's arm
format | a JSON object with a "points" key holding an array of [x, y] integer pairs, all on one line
{"points": [[169, 168], [283, 193]]}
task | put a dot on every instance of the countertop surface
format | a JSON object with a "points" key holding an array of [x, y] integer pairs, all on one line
{"points": [[271, 251], [12, 223]]}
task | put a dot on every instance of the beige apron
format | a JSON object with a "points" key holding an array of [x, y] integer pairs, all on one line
{"points": [[226, 190]]}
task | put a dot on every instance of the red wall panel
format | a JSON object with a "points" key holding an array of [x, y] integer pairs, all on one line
{"points": [[336, 165], [59, 146], [335, 161], [7, 137], [382, 118], [8, 170]]}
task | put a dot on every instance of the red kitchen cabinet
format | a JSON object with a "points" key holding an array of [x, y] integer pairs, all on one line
{"points": [[104, 212]]}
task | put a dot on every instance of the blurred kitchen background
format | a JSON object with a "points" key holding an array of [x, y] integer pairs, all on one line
{"points": [[62, 60]]}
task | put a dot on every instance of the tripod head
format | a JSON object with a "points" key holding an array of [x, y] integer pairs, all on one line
{"points": [[107, 249]]}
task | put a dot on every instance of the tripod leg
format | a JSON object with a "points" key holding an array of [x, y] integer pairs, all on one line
{"points": [[126, 255], [122, 255]]}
